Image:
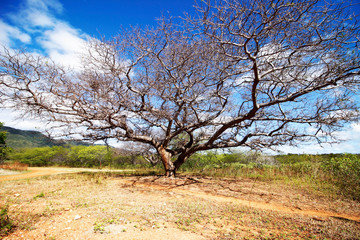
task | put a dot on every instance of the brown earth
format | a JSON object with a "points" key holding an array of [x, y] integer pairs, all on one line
{"points": [[260, 197], [93, 207], [33, 172], [48, 171]]}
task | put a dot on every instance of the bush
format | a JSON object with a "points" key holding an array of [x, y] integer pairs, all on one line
{"points": [[76, 156], [345, 173], [303, 168], [3, 148], [14, 166], [37, 156], [236, 160], [88, 156], [73, 156]]}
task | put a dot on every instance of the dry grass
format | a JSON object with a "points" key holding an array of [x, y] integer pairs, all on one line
{"points": [[15, 166], [95, 206]]}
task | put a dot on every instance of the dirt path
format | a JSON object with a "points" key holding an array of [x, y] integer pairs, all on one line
{"points": [[34, 172]]}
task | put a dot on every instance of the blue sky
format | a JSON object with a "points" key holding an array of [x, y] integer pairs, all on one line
{"points": [[58, 28], [105, 17]]}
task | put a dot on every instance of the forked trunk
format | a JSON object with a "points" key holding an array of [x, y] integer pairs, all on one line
{"points": [[166, 160], [180, 161]]}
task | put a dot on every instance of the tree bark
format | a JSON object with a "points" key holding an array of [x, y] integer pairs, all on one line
{"points": [[166, 160], [179, 161]]}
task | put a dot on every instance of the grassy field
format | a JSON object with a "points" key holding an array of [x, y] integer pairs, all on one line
{"points": [[115, 206]]}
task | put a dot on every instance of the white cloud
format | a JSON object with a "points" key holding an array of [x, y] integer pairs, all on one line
{"points": [[10, 33], [350, 143], [34, 15], [37, 19], [63, 44], [11, 119], [45, 5]]}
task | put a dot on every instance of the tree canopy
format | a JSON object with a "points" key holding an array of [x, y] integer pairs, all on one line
{"points": [[257, 74]]}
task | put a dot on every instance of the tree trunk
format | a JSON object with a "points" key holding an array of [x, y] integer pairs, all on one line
{"points": [[166, 160], [179, 161]]}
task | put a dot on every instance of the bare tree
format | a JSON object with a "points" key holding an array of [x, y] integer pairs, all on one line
{"points": [[257, 74]]}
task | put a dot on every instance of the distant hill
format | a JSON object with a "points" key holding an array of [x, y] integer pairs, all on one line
{"points": [[17, 138]]}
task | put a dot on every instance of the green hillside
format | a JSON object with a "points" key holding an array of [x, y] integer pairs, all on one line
{"points": [[17, 138]]}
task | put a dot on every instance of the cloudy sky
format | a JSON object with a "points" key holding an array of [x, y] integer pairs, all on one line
{"points": [[60, 28]]}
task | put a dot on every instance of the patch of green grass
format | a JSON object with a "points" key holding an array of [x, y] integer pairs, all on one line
{"points": [[99, 227], [40, 195], [6, 224]]}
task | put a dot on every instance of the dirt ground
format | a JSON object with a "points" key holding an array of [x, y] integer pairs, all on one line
{"points": [[88, 206], [48, 171]]}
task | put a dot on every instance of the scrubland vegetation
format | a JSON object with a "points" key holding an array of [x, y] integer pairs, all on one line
{"points": [[334, 174]]}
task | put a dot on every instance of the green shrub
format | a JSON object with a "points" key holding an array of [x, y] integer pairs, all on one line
{"points": [[88, 156], [345, 173], [40, 195], [4, 150], [43, 156], [73, 156], [303, 168]]}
